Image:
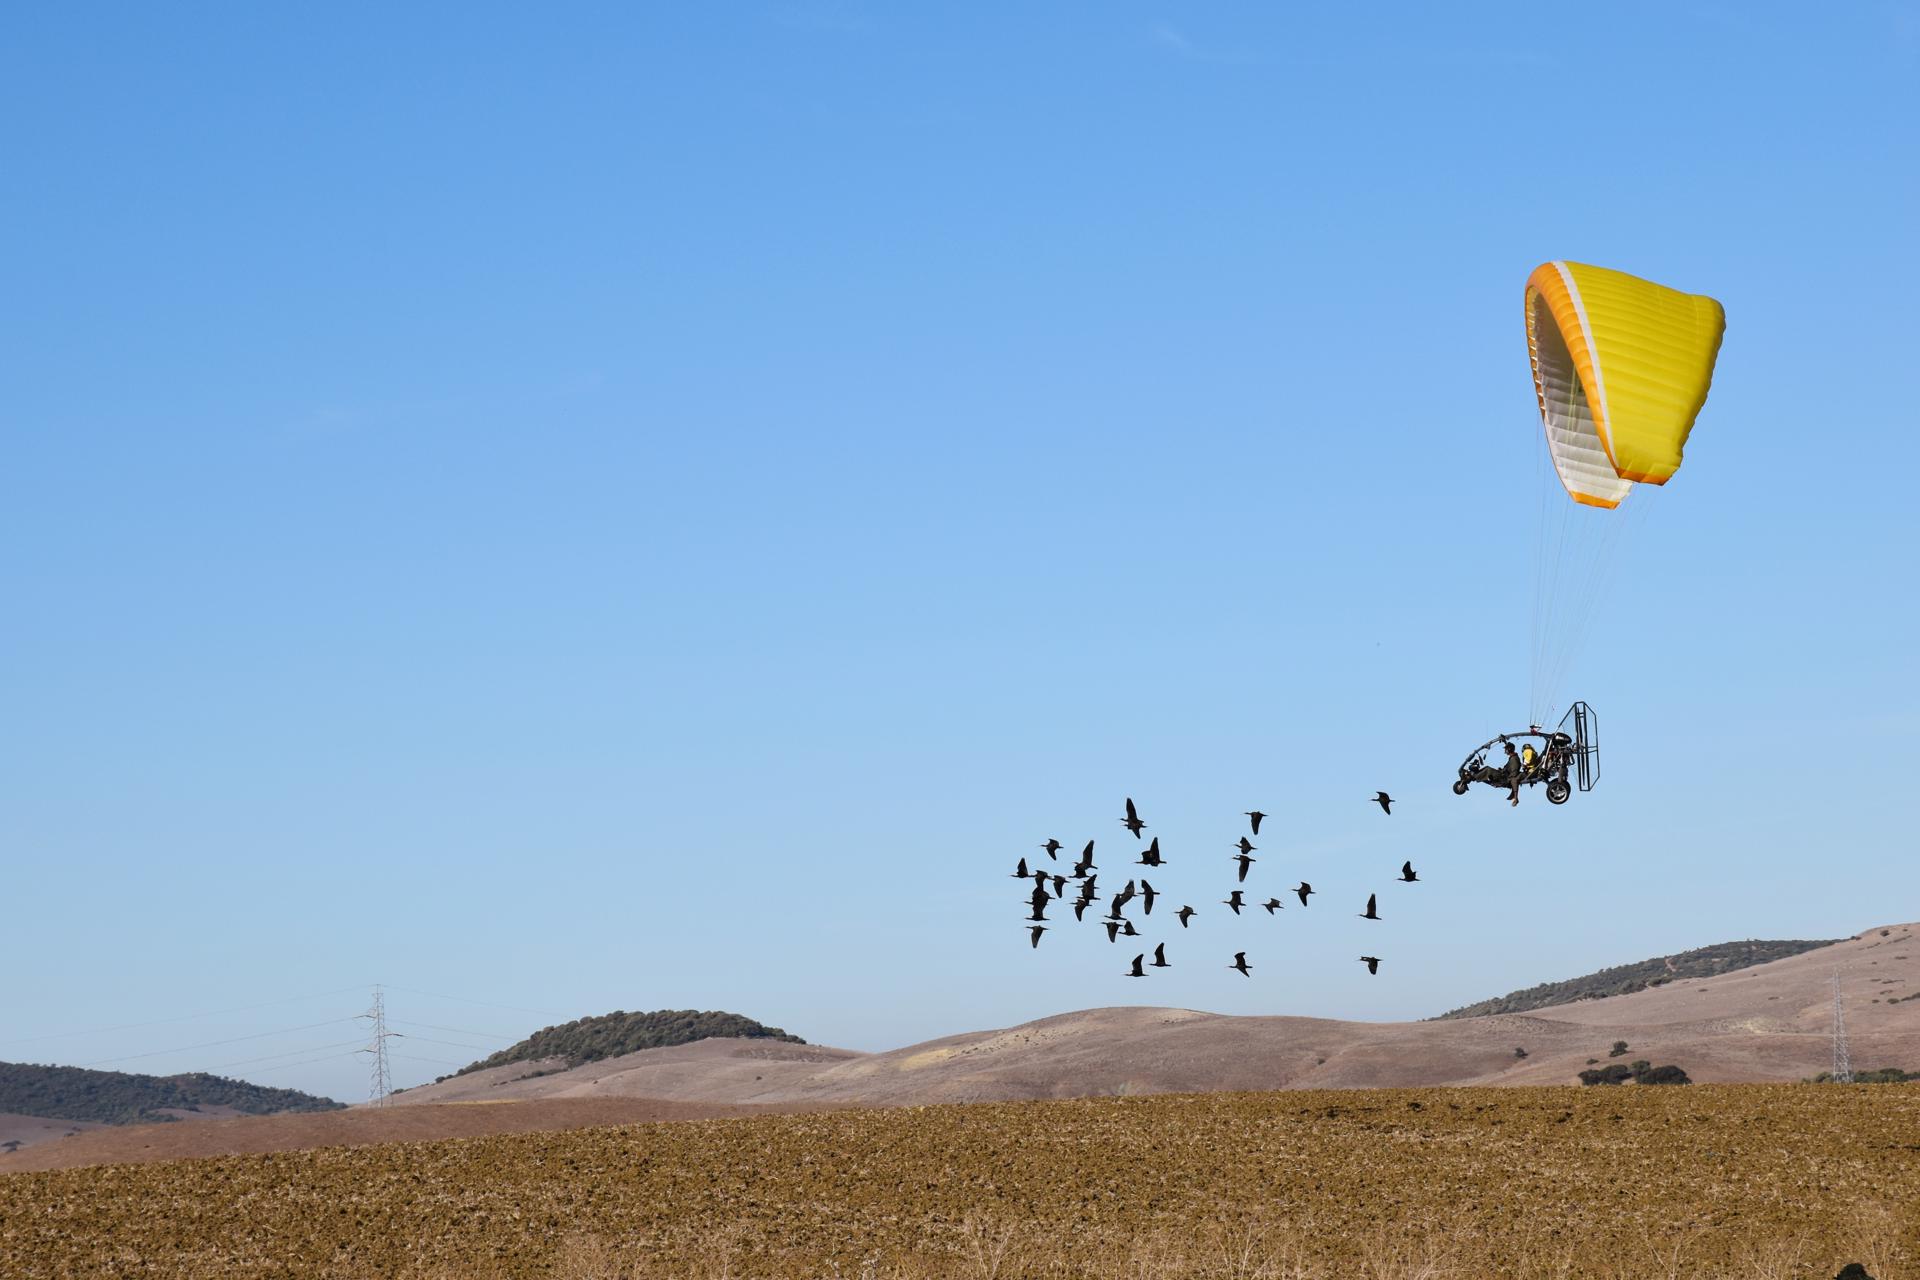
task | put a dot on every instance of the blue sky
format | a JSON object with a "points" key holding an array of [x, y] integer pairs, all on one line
{"points": [[638, 507]]}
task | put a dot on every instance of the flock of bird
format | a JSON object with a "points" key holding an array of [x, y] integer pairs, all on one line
{"points": [[1050, 886]]}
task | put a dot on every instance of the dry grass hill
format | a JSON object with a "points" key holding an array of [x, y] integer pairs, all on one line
{"points": [[1768, 1023]]}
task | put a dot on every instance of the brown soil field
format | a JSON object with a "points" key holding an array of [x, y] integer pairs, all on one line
{"points": [[1752, 1181], [361, 1126]]}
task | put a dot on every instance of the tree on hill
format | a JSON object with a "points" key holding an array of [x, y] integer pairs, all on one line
{"points": [[1704, 962], [1641, 1072], [118, 1097], [613, 1034]]}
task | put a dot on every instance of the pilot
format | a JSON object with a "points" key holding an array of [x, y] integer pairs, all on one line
{"points": [[1513, 773]]}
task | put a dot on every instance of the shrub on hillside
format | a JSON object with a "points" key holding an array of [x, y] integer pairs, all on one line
{"points": [[615, 1034]]}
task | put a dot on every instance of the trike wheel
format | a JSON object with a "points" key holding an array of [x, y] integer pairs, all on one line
{"points": [[1460, 787], [1558, 791]]}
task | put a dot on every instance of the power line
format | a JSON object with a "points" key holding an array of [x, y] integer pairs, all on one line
{"points": [[451, 1044], [210, 1044], [291, 1053], [463, 1031], [438, 1062], [185, 1017], [488, 1004], [325, 1057]]}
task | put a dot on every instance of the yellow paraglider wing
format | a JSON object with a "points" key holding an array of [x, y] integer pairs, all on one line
{"points": [[1621, 367]]}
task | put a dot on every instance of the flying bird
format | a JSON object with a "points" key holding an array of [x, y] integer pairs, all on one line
{"points": [[1407, 873], [1234, 902], [1385, 802], [1185, 914], [1245, 860], [1370, 913], [1246, 845], [1040, 877], [1160, 956], [1303, 891], [1123, 898], [1372, 963], [1132, 821], [1080, 909], [1150, 856], [1147, 894], [1053, 849], [1059, 886], [1035, 932], [1021, 872], [1085, 864], [1127, 930], [1137, 971], [1256, 815], [1240, 963], [1113, 929], [1272, 905]]}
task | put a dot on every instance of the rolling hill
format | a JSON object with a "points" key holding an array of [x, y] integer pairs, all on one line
{"points": [[1620, 980], [119, 1097], [1761, 1023]]}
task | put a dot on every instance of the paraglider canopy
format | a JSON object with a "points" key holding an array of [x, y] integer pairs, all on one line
{"points": [[1621, 367]]}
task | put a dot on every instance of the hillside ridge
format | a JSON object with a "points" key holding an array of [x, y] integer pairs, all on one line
{"points": [[1625, 979], [613, 1035], [120, 1097]]}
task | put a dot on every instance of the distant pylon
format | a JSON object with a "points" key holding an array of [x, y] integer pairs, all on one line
{"points": [[1842, 1062], [380, 1086]]}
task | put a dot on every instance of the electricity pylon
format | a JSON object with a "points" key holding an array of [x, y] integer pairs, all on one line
{"points": [[380, 1086]]}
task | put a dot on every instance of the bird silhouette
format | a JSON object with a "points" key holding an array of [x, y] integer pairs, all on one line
{"points": [[1123, 898], [1039, 912], [1085, 864], [1240, 963], [1160, 956], [1053, 849], [1087, 890], [1407, 873], [1035, 932], [1246, 845], [1372, 963], [1245, 860], [1185, 914], [1021, 872], [1150, 856], [1304, 890], [1147, 894], [1137, 971], [1038, 897], [1256, 815], [1272, 905], [1080, 909], [1127, 930], [1113, 929], [1385, 802], [1370, 913], [1235, 902], [1059, 886], [1132, 821], [1040, 877]]}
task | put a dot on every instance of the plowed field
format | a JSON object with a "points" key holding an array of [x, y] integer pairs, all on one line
{"points": [[1734, 1180]]}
